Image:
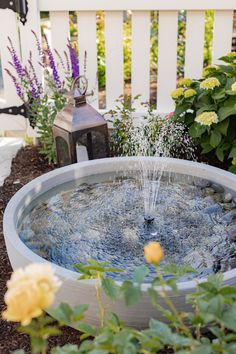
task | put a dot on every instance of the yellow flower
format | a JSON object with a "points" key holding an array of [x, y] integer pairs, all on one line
{"points": [[153, 253], [30, 291], [233, 86], [185, 82], [177, 93], [234, 61], [210, 83], [234, 161], [231, 54], [189, 93], [207, 118]]}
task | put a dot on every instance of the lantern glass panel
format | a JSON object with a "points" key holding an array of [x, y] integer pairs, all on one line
{"points": [[63, 155]]}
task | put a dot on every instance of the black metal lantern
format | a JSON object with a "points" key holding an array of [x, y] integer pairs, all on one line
{"points": [[78, 127]]}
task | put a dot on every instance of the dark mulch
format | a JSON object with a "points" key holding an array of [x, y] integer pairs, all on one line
{"points": [[28, 164]]}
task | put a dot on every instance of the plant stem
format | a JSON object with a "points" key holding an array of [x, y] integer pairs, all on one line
{"points": [[172, 307], [99, 298]]}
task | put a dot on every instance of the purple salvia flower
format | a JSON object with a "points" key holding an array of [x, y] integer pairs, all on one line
{"points": [[16, 61], [38, 85], [33, 90], [17, 85], [67, 61], [40, 50], [60, 59], [74, 61], [52, 65]]}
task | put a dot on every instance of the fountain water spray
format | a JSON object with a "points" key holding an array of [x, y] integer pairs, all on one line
{"points": [[172, 141]]}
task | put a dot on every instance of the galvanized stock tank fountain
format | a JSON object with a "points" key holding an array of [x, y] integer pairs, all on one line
{"points": [[109, 209]]}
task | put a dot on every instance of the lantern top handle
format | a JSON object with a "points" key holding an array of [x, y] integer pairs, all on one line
{"points": [[80, 86]]}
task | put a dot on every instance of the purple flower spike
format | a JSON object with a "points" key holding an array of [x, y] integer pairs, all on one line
{"points": [[17, 85], [67, 61], [39, 88], [74, 60], [52, 65], [40, 50], [16, 61]]}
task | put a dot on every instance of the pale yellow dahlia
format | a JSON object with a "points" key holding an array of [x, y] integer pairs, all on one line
{"points": [[233, 86], [30, 291], [210, 83], [177, 93], [185, 82], [153, 253], [189, 93], [207, 118]]}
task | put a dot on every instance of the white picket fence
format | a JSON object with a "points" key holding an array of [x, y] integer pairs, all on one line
{"points": [[86, 10]]}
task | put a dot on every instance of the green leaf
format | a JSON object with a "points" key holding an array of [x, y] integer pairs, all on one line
{"points": [[67, 349], [206, 349], [222, 127], [220, 154], [206, 147], [19, 351], [140, 273], [86, 328], [229, 318], [111, 289], [153, 295], [131, 293], [232, 153], [196, 130], [215, 138], [232, 169]]}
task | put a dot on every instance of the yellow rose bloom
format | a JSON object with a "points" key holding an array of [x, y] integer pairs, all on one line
{"points": [[189, 93], [233, 86], [153, 253], [210, 83], [30, 291], [177, 93], [234, 161], [207, 118], [185, 82]]}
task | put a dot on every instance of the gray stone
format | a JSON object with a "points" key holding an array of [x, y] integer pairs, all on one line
{"points": [[199, 259], [213, 209], [227, 198], [229, 217], [217, 188], [209, 191], [232, 232], [202, 183], [218, 197]]}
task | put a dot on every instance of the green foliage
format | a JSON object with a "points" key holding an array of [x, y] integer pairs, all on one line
{"points": [[211, 322], [123, 120], [219, 137], [44, 115]]}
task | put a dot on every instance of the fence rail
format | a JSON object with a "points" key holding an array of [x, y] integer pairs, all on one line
{"points": [[114, 57]]}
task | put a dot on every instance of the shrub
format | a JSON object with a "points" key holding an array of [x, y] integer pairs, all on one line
{"points": [[208, 107], [153, 136]]}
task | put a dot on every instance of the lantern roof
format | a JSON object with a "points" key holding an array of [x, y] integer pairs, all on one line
{"points": [[73, 118]]}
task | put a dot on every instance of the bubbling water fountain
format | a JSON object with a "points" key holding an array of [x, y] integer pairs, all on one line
{"points": [[94, 210], [173, 141]]}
